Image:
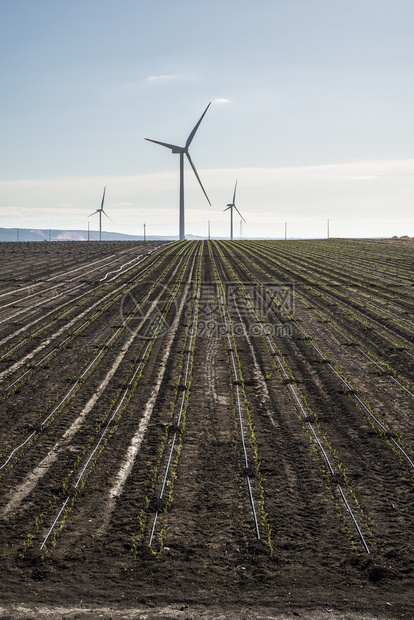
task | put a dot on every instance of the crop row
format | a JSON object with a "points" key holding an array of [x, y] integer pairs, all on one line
{"points": [[388, 434], [353, 260], [100, 307], [250, 475], [380, 363], [79, 472], [62, 313], [31, 433], [331, 467], [159, 495], [354, 282], [331, 299], [347, 293], [35, 263]]}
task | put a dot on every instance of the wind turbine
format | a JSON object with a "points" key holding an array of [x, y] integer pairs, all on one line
{"points": [[100, 211], [183, 150], [232, 206]]}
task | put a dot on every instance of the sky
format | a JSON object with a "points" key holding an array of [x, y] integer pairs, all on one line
{"points": [[312, 113]]}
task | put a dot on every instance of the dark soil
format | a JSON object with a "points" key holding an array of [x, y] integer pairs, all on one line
{"points": [[86, 494]]}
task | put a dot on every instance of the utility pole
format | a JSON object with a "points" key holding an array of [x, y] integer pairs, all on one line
{"points": [[285, 231], [17, 231], [145, 233], [328, 228], [241, 229], [209, 230]]}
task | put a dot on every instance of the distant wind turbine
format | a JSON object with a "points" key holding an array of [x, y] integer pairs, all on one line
{"points": [[100, 211], [232, 206], [183, 150]]}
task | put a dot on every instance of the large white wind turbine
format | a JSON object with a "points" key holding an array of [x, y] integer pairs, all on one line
{"points": [[100, 211], [183, 150], [232, 206]]}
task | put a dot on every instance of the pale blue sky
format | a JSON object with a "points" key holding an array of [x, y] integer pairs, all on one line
{"points": [[312, 112]]}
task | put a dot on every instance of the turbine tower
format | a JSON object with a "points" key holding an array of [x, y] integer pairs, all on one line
{"points": [[183, 150], [232, 206], [100, 211]]}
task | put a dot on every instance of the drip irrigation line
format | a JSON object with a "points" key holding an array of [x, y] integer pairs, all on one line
{"points": [[307, 419], [54, 350], [353, 394], [383, 336], [181, 409], [127, 391], [405, 351], [351, 391], [54, 522], [228, 331], [120, 268], [16, 449], [75, 303], [353, 518], [79, 380], [128, 263], [368, 357]]}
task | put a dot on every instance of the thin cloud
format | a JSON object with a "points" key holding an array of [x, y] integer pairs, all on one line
{"points": [[221, 100], [160, 78]]}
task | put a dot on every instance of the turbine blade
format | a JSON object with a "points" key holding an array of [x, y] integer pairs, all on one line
{"points": [[173, 147], [234, 195], [240, 214], [103, 198], [106, 215], [97, 211], [198, 178], [229, 207], [192, 134]]}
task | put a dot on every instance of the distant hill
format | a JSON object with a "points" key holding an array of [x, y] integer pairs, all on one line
{"points": [[46, 234], [52, 234]]}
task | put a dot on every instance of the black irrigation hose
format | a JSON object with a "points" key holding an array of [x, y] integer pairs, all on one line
{"points": [[362, 352], [358, 348], [353, 393], [383, 336], [187, 377], [127, 394], [113, 294], [307, 419], [328, 292], [76, 384], [74, 303], [236, 381]]}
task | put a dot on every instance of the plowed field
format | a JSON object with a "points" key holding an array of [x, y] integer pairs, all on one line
{"points": [[207, 429]]}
